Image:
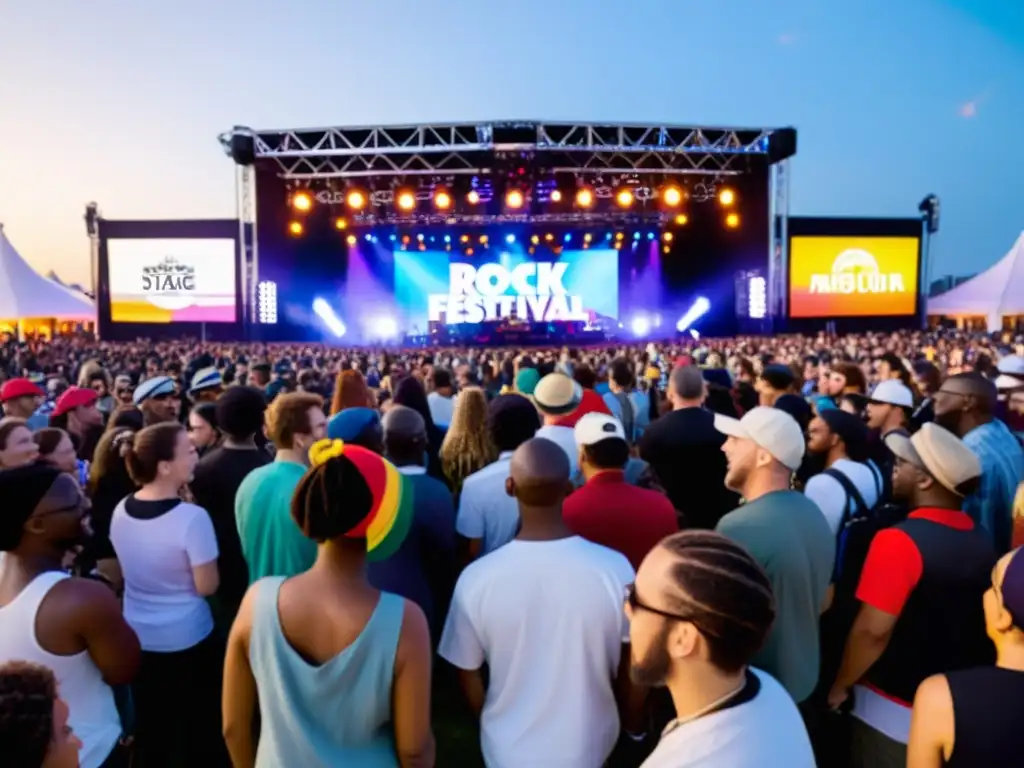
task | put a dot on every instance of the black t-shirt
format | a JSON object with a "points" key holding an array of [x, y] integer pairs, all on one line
{"points": [[214, 487]]}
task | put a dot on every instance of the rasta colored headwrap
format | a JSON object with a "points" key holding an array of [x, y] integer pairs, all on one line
{"points": [[387, 523]]}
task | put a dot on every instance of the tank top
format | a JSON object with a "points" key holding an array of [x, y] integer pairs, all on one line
{"points": [[92, 713], [338, 713], [987, 704]]}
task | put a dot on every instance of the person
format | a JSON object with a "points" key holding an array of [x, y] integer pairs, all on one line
{"points": [[215, 483], [340, 669], [271, 543], [206, 386], [56, 449], [700, 609], [619, 398], [423, 568], [109, 482], [786, 533], [202, 426], [557, 396], [607, 510], [72, 626], [157, 398], [359, 426], [167, 550], [889, 408], [964, 405], [468, 446], [684, 450], [774, 381], [545, 613], [487, 516], [350, 391], [17, 448], [442, 397], [921, 596], [34, 729], [410, 393], [20, 399], [970, 717], [77, 413]]}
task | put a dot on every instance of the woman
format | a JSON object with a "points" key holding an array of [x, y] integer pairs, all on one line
{"points": [[467, 446], [126, 416], [17, 448], [57, 448], [341, 670], [411, 394], [350, 391], [167, 551], [109, 483], [202, 427]]}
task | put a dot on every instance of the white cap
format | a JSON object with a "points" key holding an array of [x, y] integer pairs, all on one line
{"points": [[772, 429], [892, 392], [1011, 372], [595, 427]]}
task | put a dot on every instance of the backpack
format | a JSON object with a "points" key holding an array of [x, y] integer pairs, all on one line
{"points": [[628, 416], [856, 530]]}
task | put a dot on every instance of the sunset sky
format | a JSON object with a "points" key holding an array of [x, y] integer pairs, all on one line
{"points": [[120, 101]]}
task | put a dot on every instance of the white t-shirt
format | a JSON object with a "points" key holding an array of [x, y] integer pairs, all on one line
{"points": [[486, 511], [766, 732], [441, 409], [566, 438], [830, 496], [547, 617], [157, 556]]}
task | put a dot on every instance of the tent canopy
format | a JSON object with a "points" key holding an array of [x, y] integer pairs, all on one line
{"points": [[24, 293], [994, 294]]}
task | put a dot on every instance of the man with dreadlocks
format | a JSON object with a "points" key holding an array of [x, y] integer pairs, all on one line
{"points": [[700, 609]]}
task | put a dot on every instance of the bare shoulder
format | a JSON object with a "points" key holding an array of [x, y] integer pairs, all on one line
{"points": [[933, 695]]}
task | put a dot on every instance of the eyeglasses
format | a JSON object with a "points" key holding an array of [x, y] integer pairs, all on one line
{"points": [[635, 604]]}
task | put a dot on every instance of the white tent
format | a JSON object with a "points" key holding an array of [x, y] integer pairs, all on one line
{"points": [[24, 293], [996, 293]]}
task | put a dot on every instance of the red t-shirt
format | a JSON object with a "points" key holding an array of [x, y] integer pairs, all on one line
{"points": [[591, 403], [611, 512], [893, 566]]}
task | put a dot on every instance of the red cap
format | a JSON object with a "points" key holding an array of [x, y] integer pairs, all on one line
{"points": [[19, 388], [74, 397]]}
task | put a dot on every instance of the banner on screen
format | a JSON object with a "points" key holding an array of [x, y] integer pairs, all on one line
{"points": [[578, 286], [172, 280], [852, 276]]}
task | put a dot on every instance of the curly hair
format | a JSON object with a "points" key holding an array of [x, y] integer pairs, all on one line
{"points": [[468, 446], [350, 391], [27, 695]]}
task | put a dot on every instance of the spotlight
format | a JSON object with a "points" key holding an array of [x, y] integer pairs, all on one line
{"points": [[567, 238], [483, 239], [636, 235], [535, 239], [514, 198], [556, 196], [442, 200], [420, 237], [385, 328], [464, 239], [351, 239], [667, 237], [607, 235], [405, 239], [732, 221], [672, 196], [682, 219], [406, 200], [447, 238], [693, 314], [727, 197], [548, 237], [650, 235], [355, 200], [340, 224], [640, 326], [301, 201], [469, 251], [324, 311], [368, 238], [624, 198], [392, 238], [587, 237], [585, 197], [510, 239], [295, 228], [666, 249], [619, 235], [473, 197]]}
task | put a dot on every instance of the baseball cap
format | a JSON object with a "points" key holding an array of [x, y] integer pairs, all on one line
{"points": [[351, 423], [556, 394], [1011, 372], [938, 452], [892, 392], [206, 378], [19, 388], [595, 427], [772, 429], [74, 397], [527, 380], [158, 386], [1012, 588]]}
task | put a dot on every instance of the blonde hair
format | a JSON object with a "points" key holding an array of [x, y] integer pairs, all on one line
{"points": [[467, 445]]}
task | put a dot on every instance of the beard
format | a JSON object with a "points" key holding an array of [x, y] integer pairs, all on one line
{"points": [[652, 669], [948, 420]]}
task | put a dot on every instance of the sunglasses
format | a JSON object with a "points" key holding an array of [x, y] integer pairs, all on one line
{"points": [[636, 604]]}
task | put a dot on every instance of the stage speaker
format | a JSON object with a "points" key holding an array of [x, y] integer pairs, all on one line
{"points": [[243, 146], [781, 145]]}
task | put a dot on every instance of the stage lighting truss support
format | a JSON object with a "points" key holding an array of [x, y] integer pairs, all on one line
{"points": [[245, 192], [469, 149], [778, 243]]}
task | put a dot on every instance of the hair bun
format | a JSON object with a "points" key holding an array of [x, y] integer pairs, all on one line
{"points": [[323, 450]]}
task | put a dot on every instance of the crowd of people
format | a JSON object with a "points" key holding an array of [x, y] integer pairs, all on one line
{"points": [[751, 552]]}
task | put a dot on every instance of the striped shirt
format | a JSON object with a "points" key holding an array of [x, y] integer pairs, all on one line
{"points": [[1002, 470]]}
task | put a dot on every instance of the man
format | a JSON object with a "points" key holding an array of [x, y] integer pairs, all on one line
{"points": [[441, 398], [889, 406], [21, 399], [424, 567], [607, 510], [889, 367], [34, 730], [272, 543], [684, 450], [545, 614], [158, 400], [774, 381], [699, 611], [621, 381], [965, 405], [215, 484], [811, 374], [207, 384], [358, 426], [77, 413], [73, 626], [557, 396], [921, 591], [786, 533], [488, 517]]}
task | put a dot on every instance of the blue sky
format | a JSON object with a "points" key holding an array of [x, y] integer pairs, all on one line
{"points": [[120, 101]]}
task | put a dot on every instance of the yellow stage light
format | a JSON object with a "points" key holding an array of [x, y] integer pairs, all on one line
{"points": [[667, 237], [727, 197], [585, 197], [672, 196], [473, 197], [732, 221], [464, 239], [442, 200], [406, 200], [295, 228], [469, 251], [556, 196], [340, 224], [549, 237], [535, 239], [624, 197], [483, 239], [619, 235], [355, 200], [514, 198], [302, 201], [351, 239], [682, 220], [587, 238]]}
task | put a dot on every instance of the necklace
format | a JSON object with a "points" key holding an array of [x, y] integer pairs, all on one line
{"points": [[679, 721]]}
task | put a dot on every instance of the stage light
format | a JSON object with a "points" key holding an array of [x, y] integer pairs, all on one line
{"points": [[469, 251], [483, 239], [302, 201], [672, 196], [433, 239], [618, 245], [295, 228], [447, 238], [514, 198], [329, 316], [624, 198], [666, 249], [619, 235], [732, 220], [351, 239], [340, 224], [368, 238], [422, 247], [667, 237], [405, 239], [585, 197], [607, 235], [420, 237], [510, 239], [266, 293], [556, 196], [532, 250], [640, 326], [405, 200], [636, 235], [442, 200], [355, 200], [727, 197], [473, 197], [549, 237], [587, 237], [392, 238], [682, 220], [567, 238], [650, 235], [535, 239], [464, 239], [693, 314], [757, 298], [385, 328]]}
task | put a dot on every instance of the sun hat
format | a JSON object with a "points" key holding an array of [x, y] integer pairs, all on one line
{"points": [[938, 452], [557, 395]]}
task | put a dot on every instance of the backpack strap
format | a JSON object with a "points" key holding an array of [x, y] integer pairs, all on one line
{"points": [[860, 506]]}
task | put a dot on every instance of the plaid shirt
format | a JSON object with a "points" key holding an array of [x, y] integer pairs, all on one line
{"points": [[1002, 470]]}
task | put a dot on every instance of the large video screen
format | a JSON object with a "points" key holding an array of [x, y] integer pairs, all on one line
{"points": [[436, 286], [172, 280], [853, 276]]}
